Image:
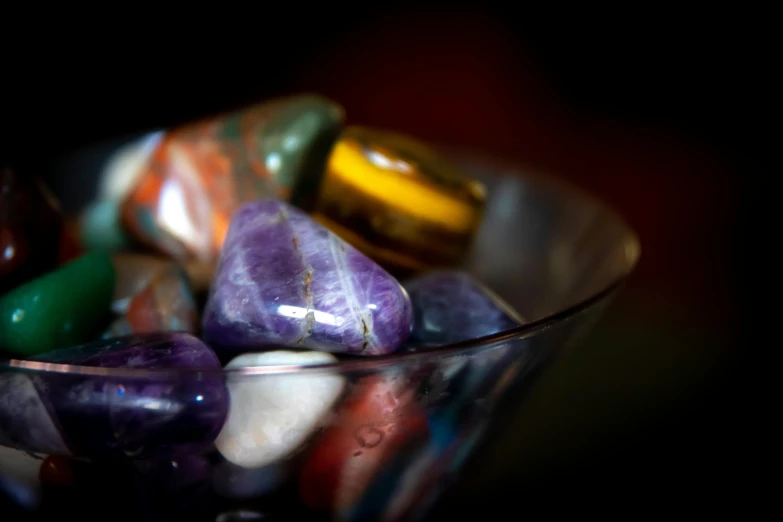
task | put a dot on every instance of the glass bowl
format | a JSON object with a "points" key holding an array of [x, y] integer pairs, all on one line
{"points": [[403, 425]]}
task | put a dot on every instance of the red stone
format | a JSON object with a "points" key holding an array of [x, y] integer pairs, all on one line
{"points": [[70, 247], [375, 421], [30, 229], [158, 295], [56, 470]]}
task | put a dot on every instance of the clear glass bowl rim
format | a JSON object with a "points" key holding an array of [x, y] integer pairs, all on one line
{"points": [[394, 359]]}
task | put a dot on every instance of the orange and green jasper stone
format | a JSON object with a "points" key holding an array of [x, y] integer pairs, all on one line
{"points": [[65, 307], [201, 172]]}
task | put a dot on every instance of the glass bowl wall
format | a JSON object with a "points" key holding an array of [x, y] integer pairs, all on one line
{"points": [[554, 253]]}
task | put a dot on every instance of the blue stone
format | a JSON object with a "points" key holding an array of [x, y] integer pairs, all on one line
{"points": [[451, 307]]}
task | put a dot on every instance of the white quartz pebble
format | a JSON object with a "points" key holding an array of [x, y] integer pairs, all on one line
{"points": [[124, 168], [272, 415]]}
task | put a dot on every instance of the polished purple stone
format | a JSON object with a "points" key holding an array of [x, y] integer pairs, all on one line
{"points": [[284, 280], [451, 307], [139, 416]]}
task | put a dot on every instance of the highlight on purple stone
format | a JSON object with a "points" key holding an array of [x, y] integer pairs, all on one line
{"points": [[95, 415], [283, 279], [451, 306]]}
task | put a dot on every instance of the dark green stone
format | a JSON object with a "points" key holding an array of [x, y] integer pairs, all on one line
{"points": [[312, 124], [292, 137], [67, 306]]}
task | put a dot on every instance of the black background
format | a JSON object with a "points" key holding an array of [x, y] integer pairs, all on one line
{"points": [[705, 73]]}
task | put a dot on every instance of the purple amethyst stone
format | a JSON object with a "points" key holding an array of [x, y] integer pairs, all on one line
{"points": [[284, 280], [138, 416], [451, 307]]}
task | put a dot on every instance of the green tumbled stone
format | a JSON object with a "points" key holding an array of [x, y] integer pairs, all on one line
{"points": [[68, 306], [302, 133]]}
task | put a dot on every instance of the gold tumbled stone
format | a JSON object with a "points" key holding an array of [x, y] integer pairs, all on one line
{"points": [[399, 201]]}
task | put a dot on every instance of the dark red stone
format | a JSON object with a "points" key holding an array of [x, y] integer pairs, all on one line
{"points": [[377, 420], [30, 229], [56, 470]]}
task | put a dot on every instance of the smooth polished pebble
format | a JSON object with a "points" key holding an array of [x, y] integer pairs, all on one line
{"points": [[451, 306], [31, 228], [64, 307], [200, 172], [19, 476], [99, 228], [271, 416], [284, 280], [379, 418], [98, 415], [399, 201], [151, 295], [124, 167]]}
